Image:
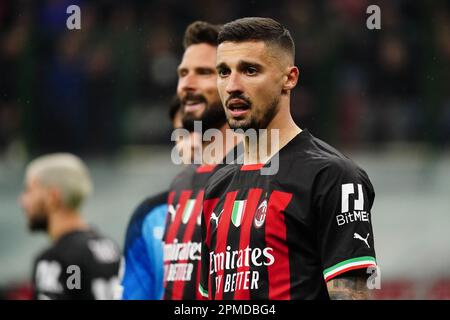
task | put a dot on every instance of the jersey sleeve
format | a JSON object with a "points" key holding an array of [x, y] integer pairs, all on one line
{"points": [[343, 199], [143, 256]]}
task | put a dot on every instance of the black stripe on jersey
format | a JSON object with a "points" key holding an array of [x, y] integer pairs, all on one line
{"points": [[301, 233], [258, 240]]}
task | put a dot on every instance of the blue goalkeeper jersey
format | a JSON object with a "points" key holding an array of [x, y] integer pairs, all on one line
{"points": [[143, 251]]}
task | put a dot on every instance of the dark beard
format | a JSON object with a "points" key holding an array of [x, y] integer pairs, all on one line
{"points": [[38, 223], [253, 123], [212, 117]]}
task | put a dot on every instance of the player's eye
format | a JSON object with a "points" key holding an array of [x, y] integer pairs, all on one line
{"points": [[223, 72], [251, 71], [205, 71], [182, 73]]}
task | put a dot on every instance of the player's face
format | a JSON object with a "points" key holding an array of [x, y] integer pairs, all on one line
{"points": [[250, 83], [33, 203], [197, 86]]}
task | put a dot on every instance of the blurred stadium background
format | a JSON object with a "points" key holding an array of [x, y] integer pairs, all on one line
{"points": [[382, 96]]}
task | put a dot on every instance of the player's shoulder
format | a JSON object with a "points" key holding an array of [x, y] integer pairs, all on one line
{"points": [[186, 176], [220, 179], [145, 208], [331, 166], [82, 246], [141, 214], [319, 156], [71, 248], [50, 253]]}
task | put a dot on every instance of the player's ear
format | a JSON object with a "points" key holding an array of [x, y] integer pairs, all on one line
{"points": [[54, 197], [290, 78]]}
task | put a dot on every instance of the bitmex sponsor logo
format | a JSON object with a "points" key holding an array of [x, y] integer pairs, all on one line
{"points": [[353, 216], [358, 214]]}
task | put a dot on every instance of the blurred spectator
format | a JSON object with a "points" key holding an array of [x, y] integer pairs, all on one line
{"points": [[82, 90], [63, 118]]}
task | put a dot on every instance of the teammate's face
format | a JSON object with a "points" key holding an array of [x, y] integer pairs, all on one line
{"points": [[197, 87], [33, 203], [250, 83]]}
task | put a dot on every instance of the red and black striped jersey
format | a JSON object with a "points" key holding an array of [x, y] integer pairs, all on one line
{"points": [[182, 236], [283, 236]]}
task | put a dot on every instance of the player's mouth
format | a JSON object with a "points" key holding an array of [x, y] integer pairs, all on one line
{"points": [[193, 105], [193, 102], [238, 107]]}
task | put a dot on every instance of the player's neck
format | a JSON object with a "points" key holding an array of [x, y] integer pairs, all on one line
{"points": [[280, 131], [63, 222], [229, 141]]}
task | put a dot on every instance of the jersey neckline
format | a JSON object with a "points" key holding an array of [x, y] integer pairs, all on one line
{"points": [[257, 166]]}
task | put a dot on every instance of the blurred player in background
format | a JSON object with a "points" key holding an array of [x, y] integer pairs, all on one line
{"points": [[302, 232], [81, 263], [197, 91], [143, 250]]}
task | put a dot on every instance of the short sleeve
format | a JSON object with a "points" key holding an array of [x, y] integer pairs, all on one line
{"points": [[343, 201]]}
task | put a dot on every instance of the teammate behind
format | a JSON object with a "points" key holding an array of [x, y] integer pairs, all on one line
{"points": [[143, 250], [81, 263], [302, 232], [197, 91]]}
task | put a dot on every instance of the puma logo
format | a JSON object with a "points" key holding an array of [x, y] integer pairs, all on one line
{"points": [[357, 236], [172, 212], [216, 217]]}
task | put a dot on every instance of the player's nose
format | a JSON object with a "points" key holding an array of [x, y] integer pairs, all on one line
{"points": [[187, 83], [234, 84]]}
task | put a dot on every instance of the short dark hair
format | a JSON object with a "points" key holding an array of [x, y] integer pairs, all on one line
{"points": [[259, 29], [201, 32]]}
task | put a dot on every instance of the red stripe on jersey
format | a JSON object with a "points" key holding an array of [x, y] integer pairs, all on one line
{"points": [[208, 208], [222, 235], [244, 241], [279, 271], [252, 167], [178, 286], [206, 168], [170, 198], [173, 228]]}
